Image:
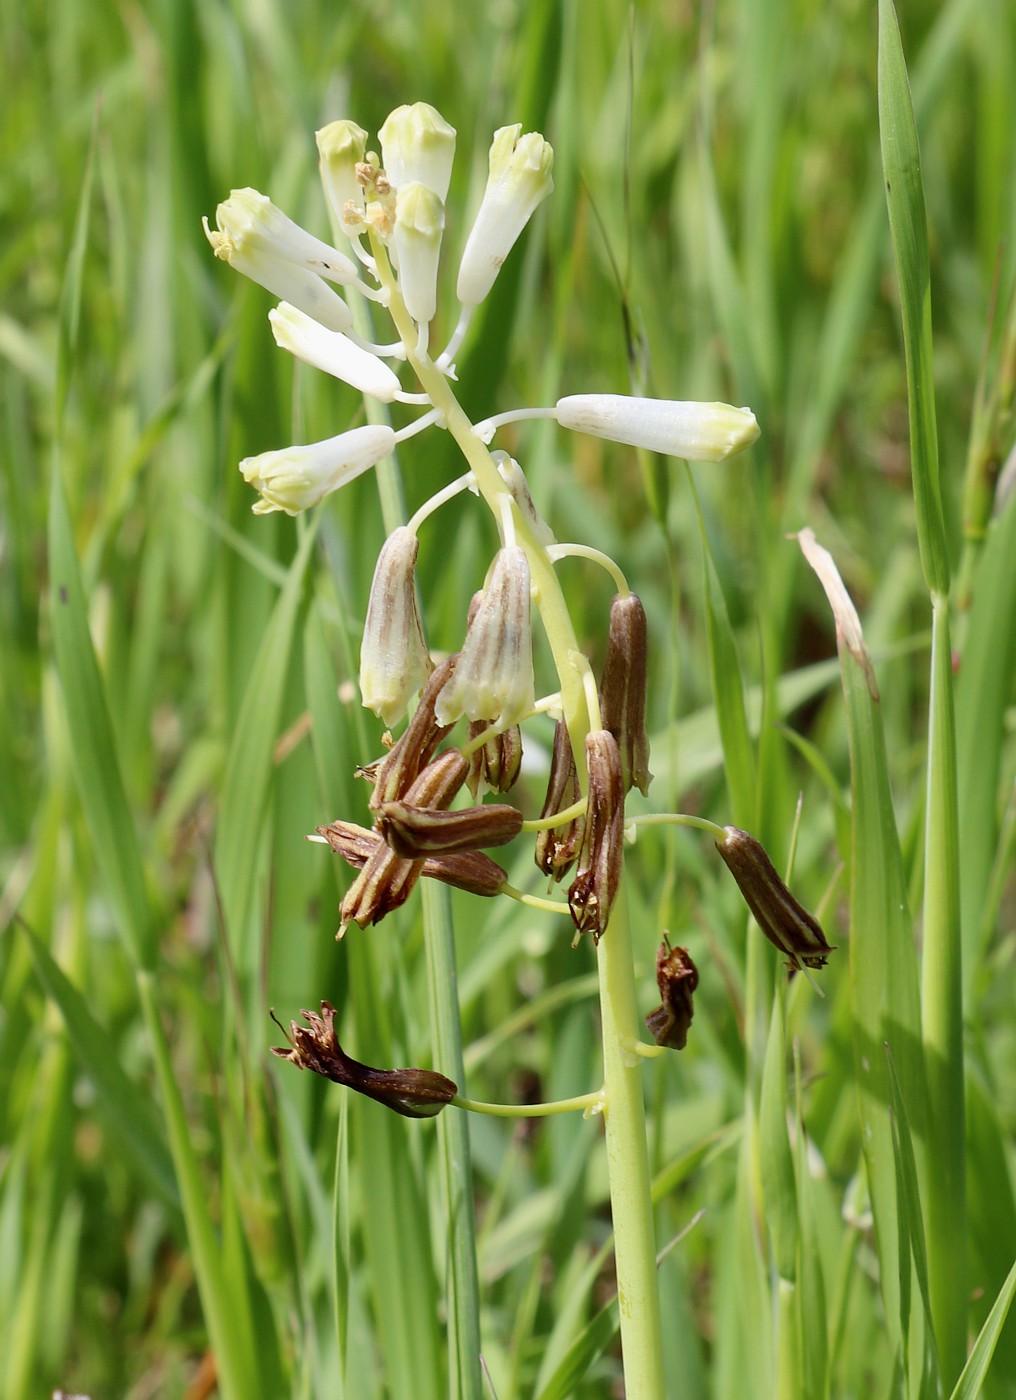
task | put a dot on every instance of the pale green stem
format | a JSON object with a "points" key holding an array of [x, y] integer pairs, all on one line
{"points": [[677, 819], [595, 556], [566, 814], [587, 1103], [624, 1111], [535, 901]]}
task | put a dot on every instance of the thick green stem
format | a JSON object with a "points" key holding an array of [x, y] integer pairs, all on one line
{"points": [[624, 1108]]}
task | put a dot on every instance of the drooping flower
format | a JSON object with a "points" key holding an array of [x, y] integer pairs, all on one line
{"points": [[293, 479], [601, 856], [394, 660], [677, 978], [519, 179], [264, 244], [415, 1093], [624, 687], [698, 432], [557, 847], [786, 923], [494, 677], [332, 352]]}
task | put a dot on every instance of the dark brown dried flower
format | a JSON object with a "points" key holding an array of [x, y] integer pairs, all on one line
{"points": [[419, 831], [787, 924], [624, 688], [471, 871], [393, 774], [677, 978], [601, 856], [496, 765], [415, 1093], [558, 846]]}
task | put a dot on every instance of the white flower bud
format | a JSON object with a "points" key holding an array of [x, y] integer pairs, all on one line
{"points": [[419, 225], [698, 432], [394, 661], [418, 144], [260, 242], [332, 352], [514, 478], [341, 146], [520, 177], [494, 680], [296, 478]]}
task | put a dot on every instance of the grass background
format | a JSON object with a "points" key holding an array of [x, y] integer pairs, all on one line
{"points": [[718, 230]]}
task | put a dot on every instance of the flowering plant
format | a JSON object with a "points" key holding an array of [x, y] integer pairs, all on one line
{"points": [[391, 207]]}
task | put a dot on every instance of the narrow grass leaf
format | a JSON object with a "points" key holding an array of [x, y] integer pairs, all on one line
{"points": [[250, 763], [901, 166], [975, 1372], [126, 1109], [93, 748], [883, 960]]}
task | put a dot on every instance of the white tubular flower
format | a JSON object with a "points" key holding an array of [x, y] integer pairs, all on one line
{"points": [[394, 661], [418, 144], [493, 680], [341, 146], [698, 432], [296, 478], [332, 352], [520, 177], [260, 242], [419, 226]]}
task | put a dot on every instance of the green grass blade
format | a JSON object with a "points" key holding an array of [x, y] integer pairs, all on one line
{"points": [[127, 1111], [883, 960], [901, 166], [250, 764], [974, 1373], [93, 748]]}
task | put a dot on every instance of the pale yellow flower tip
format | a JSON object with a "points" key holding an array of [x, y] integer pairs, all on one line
{"points": [[418, 144], [295, 478], [519, 179], [698, 432]]}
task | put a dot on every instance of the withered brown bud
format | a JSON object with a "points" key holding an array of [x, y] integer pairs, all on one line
{"points": [[557, 847], [387, 879], [496, 765], [415, 1093], [471, 871], [384, 884], [601, 855], [394, 773], [624, 688], [788, 926], [677, 978], [419, 831]]}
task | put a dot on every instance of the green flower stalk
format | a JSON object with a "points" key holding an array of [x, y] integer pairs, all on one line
{"points": [[394, 216]]}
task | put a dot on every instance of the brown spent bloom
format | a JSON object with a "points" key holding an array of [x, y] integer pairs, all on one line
{"points": [[393, 774], [419, 831], [496, 765], [557, 847], [386, 879], [601, 856], [415, 1093], [786, 923], [677, 979], [471, 871], [624, 686]]}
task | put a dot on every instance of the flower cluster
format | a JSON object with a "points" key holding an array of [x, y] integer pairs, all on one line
{"points": [[391, 209]]}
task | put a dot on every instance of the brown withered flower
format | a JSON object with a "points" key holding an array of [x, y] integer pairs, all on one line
{"points": [[601, 855], [415, 1093], [471, 871], [393, 774], [387, 879], [420, 831], [557, 847], [624, 687], [495, 765], [786, 923], [677, 979]]}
